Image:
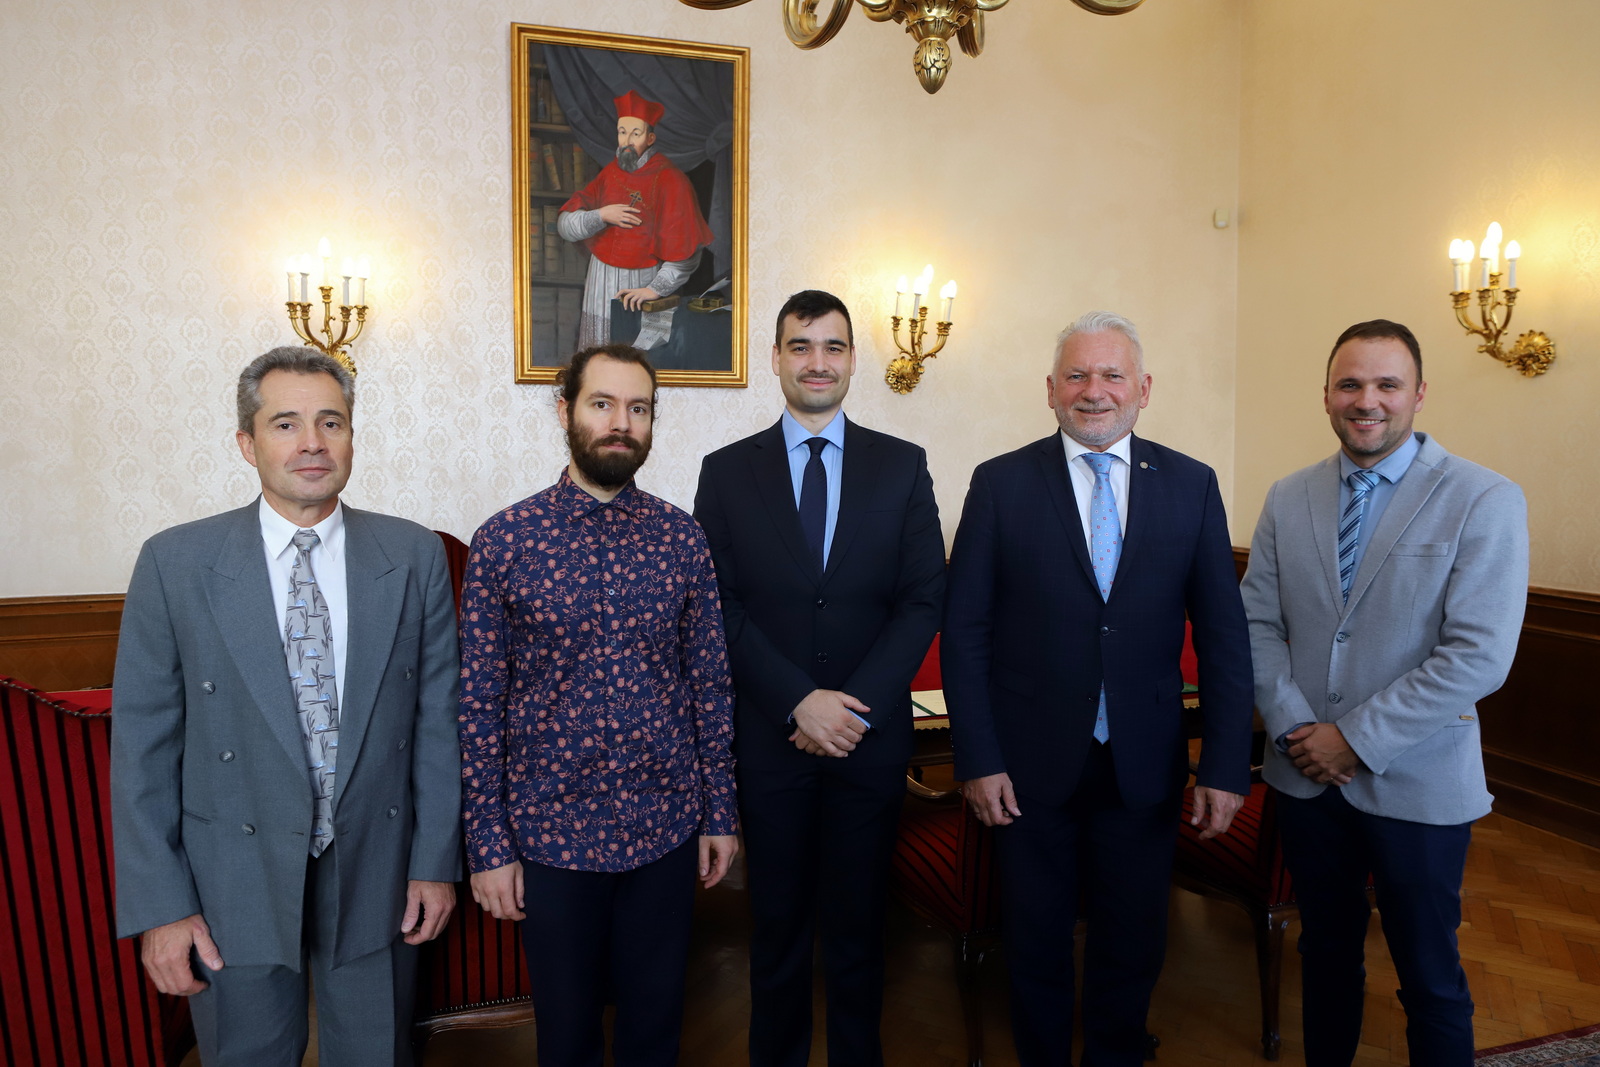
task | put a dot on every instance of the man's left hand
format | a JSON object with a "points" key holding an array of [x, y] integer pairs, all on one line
{"points": [[633, 299], [1322, 754], [1214, 810], [428, 907], [716, 854]]}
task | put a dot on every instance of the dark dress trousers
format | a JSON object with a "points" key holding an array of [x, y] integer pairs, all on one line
{"points": [[1027, 643], [819, 830]]}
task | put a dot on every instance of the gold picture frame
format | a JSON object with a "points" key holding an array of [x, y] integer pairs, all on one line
{"points": [[564, 161]]}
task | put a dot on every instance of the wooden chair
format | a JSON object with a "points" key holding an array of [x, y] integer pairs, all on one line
{"points": [[70, 992]]}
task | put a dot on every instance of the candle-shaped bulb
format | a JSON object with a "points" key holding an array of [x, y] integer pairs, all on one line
{"points": [[364, 269], [948, 293], [924, 280], [1493, 234], [902, 286], [1513, 251]]}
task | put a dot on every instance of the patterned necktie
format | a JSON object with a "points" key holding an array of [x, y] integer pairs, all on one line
{"points": [[1105, 549], [1361, 483], [814, 499], [309, 645]]}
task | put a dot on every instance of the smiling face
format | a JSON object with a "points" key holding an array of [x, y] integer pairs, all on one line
{"points": [[1371, 397], [608, 425], [814, 361], [1097, 388], [300, 445]]}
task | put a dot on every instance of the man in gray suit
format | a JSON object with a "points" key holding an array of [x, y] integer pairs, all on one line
{"points": [[284, 777], [1385, 595]]}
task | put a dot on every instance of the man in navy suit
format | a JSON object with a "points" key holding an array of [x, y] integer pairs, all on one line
{"points": [[1075, 563], [830, 562]]}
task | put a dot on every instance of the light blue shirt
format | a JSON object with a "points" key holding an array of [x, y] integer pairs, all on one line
{"points": [[1390, 469], [795, 437]]}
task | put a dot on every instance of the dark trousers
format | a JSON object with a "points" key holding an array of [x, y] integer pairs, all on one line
{"points": [[592, 936], [819, 835], [255, 1016], [1118, 862], [1330, 848]]}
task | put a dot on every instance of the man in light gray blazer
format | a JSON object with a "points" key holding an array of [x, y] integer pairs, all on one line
{"points": [[285, 777], [1385, 595]]}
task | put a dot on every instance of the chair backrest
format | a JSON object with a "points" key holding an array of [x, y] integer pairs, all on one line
{"points": [[70, 992], [928, 676]]}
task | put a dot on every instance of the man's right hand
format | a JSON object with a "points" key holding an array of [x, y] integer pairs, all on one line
{"points": [[499, 891], [620, 215], [165, 951], [824, 718], [992, 799]]}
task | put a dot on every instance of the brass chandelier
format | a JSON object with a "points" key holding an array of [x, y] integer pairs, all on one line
{"points": [[931, 23]]}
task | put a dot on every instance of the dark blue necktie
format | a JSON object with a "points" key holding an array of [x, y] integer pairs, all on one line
{"points": [[814, 499]]}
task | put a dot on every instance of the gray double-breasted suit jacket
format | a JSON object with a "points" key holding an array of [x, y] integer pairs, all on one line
{"points": [[211, 803], [1430, 628]]}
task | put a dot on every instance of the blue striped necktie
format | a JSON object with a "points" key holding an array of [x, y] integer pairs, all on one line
{"points": [[1105, 550], [1361, 483]]}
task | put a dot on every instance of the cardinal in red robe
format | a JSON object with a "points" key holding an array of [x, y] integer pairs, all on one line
{"points": [[640, 218]]}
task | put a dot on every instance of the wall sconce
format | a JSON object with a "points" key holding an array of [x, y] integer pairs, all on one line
{"points": [[905, 370], [300, 310], [1533, 352]]}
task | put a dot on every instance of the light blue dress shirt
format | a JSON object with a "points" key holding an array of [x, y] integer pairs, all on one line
{"points": [[795, 437], [1390, 469]]}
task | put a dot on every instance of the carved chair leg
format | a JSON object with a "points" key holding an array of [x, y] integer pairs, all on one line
{"points": [[968, 958], [1270, 927]]}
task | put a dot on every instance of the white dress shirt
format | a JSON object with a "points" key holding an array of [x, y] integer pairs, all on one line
{"points": [[327, 566], [1083, 479]]}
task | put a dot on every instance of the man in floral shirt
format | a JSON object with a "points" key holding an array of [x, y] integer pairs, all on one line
{"points": [[595, 727]]}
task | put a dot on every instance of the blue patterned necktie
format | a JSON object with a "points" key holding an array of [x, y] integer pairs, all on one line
{"points": [[814, 500], [1105, 549], [308, 631], [1361, 483]]}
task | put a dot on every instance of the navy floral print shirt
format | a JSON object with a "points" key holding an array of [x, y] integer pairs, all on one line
{"points": [[596, 706]]}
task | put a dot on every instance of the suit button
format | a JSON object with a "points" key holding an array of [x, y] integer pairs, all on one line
{"points": [[226, 757], [1333, 698], [393, 811], [822, 657], [1105, 630], [1341, 637], [409, 673], [247, 828], [209, 687], [821, 603], [401, 745]]}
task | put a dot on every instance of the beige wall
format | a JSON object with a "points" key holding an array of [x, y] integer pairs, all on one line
{"points": [[1373, 133], [164, 157]]}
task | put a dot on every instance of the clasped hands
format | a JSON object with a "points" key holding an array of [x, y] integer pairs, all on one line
{"points": [[824, 725], [1322, 754]]}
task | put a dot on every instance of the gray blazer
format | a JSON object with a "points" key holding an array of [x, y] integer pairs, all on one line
{"points": [[211, 803], [1430, 628]]}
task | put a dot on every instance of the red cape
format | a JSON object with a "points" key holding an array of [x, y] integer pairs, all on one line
{"points": [[670, 228]]}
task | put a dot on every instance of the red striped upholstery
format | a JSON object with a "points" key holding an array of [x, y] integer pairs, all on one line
{"points": [[944, 866], [70, 992], [1246, 861]]}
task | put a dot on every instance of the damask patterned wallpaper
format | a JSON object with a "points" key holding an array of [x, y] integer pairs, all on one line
{"points": [[164, 157]]}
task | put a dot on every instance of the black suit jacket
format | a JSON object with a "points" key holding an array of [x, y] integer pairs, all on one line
{"points": [[863, 626], [1027, 638]]}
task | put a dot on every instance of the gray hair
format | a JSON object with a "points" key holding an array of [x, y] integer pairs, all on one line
{"points": [[297, 360], [1101, 322]]}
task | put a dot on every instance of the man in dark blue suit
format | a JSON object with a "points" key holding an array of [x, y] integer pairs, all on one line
{"points": [[1060, 653], [831, 566]]}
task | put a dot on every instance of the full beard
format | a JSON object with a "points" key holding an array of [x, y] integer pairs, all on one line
{"points": [[608, 470], [628, 158]]}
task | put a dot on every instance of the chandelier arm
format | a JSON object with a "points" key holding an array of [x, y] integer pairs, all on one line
{"points": [[714, 5], [990, 5], [884, 10], [805, 30], [1108, 7]]}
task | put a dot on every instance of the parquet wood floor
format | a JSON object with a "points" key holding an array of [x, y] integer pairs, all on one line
{"points": [[1530, 939]]}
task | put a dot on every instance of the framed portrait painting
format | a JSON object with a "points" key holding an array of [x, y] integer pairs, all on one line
{"points": [[631, 201]]}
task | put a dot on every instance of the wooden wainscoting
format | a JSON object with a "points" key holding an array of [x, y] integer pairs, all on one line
{"points": [[60, 642]]}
